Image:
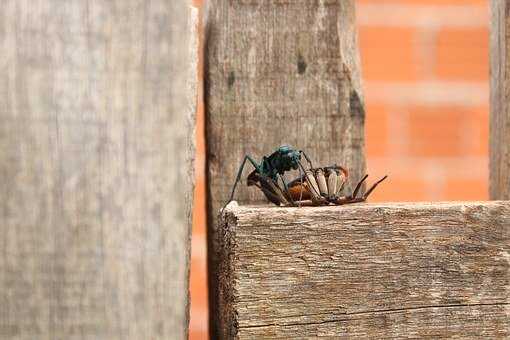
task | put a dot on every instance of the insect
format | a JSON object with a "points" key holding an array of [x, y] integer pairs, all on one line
{"points": [[321, 186]]}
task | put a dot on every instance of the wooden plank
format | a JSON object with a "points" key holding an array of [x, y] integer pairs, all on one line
{"points": [[279, 72], [500, 96], [378, 271], [96, 111]]}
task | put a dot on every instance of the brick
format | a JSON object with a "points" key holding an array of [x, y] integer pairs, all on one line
{"points": [[420, 178], [387, 53], [376, 130], [466, 189], [396, 189], [448, 131], [436, 132], [477, 128], [463, 54]]}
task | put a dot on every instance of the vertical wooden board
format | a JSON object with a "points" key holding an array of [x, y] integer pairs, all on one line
{"points": [[279, 72], [500, 94], [97, 103]]}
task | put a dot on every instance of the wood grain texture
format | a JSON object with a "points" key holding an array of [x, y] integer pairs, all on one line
{"points": [[97, 103], [369, 271], [279, 72], [500, 96]]}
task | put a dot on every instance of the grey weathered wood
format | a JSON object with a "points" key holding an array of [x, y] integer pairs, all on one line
{"points": [[500, 97], [377, 271], [279, 72], [97, 100]]}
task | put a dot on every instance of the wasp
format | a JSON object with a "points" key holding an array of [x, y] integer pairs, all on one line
{"points": [[321, 186]]}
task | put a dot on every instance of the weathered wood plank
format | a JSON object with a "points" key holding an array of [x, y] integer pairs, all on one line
{"points": [[500, 96], [97, 100], [279, 72], [366, 271]]}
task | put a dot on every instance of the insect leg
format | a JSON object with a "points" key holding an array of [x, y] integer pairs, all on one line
{"points": [[342, 179], [271, 190], [365, 196], [353, 198], [358, 186], [313, 187], [239, 174], [321, 181], [286, 189], [310, 180], [307, 159], [277, 190], [273, 197], [348, 200], [332, 180], [301, 186]]}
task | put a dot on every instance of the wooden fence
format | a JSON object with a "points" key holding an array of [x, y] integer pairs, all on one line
{"points": [[367, 271], [97, 100], [97, 103]]}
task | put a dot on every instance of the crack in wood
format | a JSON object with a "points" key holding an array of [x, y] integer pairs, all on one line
{"points": [[379, 311]]}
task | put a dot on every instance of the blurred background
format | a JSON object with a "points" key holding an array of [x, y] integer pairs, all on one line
{"points": [[425, 66]]}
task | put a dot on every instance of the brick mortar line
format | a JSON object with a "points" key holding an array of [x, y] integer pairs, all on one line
{"points": [[463, 94], [423, 16]]}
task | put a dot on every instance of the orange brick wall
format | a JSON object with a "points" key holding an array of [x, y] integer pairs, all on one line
{"points": [[425, 72]]}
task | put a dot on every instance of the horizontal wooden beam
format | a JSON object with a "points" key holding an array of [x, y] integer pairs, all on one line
{"points": [[367, 270]]}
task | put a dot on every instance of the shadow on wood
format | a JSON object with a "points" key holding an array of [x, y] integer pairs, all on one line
{"points": [[366, 271]]}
